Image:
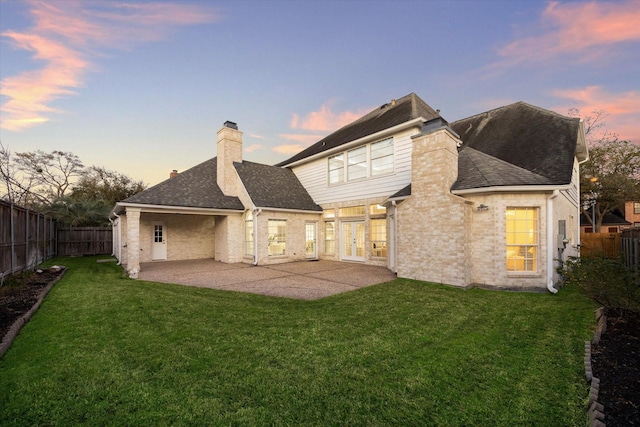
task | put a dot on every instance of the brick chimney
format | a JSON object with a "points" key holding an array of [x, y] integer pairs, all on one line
{"points": [[229, 151], [173, 173]]}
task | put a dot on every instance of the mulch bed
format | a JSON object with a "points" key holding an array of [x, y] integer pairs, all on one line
{"points": [[616, 362], [20, 293], [616, 359]]}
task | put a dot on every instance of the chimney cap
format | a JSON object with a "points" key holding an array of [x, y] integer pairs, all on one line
{"points": [[230, 124]]}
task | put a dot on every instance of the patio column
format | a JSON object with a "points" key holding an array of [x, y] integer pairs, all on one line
{"points": [[133, 242]]}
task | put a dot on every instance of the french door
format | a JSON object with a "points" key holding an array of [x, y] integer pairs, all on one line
{"points": [[352, 241]]}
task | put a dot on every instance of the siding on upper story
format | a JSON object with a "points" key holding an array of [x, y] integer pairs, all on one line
{"points": [[314, 175]]}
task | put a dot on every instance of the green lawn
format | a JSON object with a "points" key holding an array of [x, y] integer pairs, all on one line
{"points": [[107, 350]]}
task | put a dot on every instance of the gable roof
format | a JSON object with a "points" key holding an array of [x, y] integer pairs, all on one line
{"points": [[531, 138], [195, 187], [274, 187], [388, 115]]}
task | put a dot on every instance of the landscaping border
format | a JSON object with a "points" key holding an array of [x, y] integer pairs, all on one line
{"points": [[15, 328], [596, 409]]}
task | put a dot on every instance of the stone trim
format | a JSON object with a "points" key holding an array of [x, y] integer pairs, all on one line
{"points": [[596, 409]]}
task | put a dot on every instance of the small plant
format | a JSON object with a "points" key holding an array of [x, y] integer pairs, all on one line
{"points": [[604, 280]]}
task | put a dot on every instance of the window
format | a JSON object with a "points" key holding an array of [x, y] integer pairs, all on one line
{"points": [[377, 210], [329, 213], [378, 237], [365, 161], [330, 237], [522, 239], [277, 229], [352, 211], [248, 234], [357, 163], [636, 207], [613, 229], [382, 157], [336, 168]]}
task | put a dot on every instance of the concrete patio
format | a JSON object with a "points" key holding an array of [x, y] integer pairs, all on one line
{"points": [[306, 280]]}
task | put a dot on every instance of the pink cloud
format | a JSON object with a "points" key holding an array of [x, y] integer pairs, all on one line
{"points": [[288, 149], [306, 139], [324, 119], [67, 37], [253, 147], [623, 109], [586, 29]]}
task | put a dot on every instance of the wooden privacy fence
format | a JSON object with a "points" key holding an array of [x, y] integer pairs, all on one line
{"points": [[600, 244], [27, 238], [77, 241], [630, 247]]}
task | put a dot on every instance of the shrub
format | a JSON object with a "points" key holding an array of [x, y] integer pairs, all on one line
{"points": [[604, 280]]}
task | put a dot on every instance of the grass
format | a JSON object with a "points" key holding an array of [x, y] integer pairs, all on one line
{"points": [[107, 350]]}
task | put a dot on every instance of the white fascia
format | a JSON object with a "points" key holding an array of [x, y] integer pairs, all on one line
{"points": [[365, 139], [513, 189], [175, 209], [263, 208]]}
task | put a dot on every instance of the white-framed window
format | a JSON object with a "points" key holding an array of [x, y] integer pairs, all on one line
{"points": [[522, 233], [248, 234], [377, 210], [378, 237], [368, 160], [382, 157], [636, 207], [352, 211], [277, 229], [357, 163], [330, 237], [336, 168]]}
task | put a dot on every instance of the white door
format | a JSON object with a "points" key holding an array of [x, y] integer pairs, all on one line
{"points": [[311, 239], [159, 242], [353, 241]]}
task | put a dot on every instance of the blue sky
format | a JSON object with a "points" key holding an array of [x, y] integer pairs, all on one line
{"points": [[142, 87]]}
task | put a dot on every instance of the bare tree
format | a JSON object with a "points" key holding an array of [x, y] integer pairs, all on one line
{"points": [[16, 187], [52, 173]]}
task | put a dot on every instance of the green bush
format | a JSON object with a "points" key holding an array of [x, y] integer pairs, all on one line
{"points": [[604, 280]]}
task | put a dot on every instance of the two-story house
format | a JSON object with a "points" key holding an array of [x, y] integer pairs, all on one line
{"points": [[491, 200]]}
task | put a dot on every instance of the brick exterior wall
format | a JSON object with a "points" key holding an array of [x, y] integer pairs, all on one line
{"points": [[630, 215], [432, 224], [229, 150]]}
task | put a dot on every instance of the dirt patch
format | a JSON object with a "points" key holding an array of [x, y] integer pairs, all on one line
{"points": [[20, 293], [616, 362]]}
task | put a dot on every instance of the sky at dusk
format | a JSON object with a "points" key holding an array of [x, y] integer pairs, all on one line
{"points": [[142, 87]]}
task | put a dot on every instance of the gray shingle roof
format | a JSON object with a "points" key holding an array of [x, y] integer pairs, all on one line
{"points": [[534, 139], [274, 187], [195, 187], [404, 109], [478, 170]]}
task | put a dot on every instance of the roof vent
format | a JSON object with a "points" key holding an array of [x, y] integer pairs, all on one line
{"points": [[231, 125]]}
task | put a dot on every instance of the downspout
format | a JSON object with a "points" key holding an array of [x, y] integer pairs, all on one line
{"points": [[395, 236], [550, 242], [256, 213]]}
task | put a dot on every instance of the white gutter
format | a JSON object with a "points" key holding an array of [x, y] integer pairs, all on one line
{"points": [[289, 210], [512, 188], [256, 213], [550, 242], [176, 209], [378, 135]]}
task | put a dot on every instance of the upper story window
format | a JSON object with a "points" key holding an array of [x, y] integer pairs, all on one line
{"points": [[357, 163], [636, 207], [336, 168], [382, 157], [365, 161]]}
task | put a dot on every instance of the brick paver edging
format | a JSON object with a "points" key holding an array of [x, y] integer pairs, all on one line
{"points": [[14, 330], [596, 409]]}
